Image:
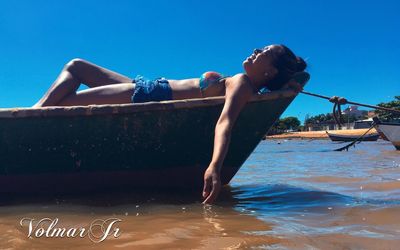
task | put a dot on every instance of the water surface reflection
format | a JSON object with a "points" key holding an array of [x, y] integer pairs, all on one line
{"points": [[288, 195]]}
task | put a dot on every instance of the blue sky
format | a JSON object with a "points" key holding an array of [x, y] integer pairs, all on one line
{"points": [[352, 47]]}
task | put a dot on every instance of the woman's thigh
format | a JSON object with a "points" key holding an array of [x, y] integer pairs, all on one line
{"points": [[94, 75], [108, 94]]}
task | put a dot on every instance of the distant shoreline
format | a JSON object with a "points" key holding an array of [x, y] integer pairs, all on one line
{"points": [[318, 134]]}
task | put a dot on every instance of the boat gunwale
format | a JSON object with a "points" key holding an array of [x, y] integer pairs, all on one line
{"points": [[52, 111], [388, 123]]}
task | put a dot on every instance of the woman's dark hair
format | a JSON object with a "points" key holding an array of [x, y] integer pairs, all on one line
{"points": [[287, 64]]}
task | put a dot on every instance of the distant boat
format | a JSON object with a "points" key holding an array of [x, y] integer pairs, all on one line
{"points": [[157, 144], [341, 137], [391, 131]]}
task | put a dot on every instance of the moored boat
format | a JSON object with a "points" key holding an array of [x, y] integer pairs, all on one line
{"points": [[342, 137], [157, 144], [391, 131]]}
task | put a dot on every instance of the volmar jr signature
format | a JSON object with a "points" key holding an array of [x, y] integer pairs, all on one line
{"points": [[97, 231]]}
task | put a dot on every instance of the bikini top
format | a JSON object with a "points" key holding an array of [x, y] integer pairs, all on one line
{"points": [[210, 78]]}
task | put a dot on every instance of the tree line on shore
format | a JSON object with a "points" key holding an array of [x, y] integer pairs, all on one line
{"points": [[386, 115], [291, 123]]}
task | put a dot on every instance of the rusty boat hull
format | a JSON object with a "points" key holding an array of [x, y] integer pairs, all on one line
{"points": [[156, 145]]}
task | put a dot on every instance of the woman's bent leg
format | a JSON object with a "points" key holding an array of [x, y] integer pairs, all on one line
{"points": [[74, 73], [64, 85], [93, 75], [107, 94]]}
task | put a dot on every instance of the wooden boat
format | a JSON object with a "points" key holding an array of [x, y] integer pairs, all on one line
{"points": [[390, 130], [341, 137], [158, 144]]}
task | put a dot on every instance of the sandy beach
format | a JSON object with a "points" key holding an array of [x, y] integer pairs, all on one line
{"points": [[319, 134]]}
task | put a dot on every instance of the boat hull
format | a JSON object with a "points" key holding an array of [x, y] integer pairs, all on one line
{"points": [[348, 138], [391, 131], [166, 144]]}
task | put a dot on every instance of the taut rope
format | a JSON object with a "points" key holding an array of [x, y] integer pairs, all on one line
{"points": [[342, 101], [337, 113]]}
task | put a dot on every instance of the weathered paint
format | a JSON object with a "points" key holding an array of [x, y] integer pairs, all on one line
{"points": [[170, 141]]}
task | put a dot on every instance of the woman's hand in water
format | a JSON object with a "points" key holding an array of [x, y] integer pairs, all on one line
{"points": [[212, 184]]}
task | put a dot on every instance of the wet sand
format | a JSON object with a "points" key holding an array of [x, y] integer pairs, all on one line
{"points": [[319, 134]]}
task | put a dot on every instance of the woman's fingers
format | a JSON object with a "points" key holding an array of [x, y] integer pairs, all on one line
{"points": [[216, 187], [207, 187], [212, 185]]}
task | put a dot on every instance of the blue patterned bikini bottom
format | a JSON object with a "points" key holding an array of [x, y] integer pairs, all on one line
{"points": [[151, 90]]}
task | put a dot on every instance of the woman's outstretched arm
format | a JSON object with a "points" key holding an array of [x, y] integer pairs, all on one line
{"points": [[238, 92]]}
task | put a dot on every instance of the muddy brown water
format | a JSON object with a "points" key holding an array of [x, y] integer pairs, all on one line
{"points": [[290, 194]]}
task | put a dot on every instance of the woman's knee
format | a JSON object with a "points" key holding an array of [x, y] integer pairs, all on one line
{"points": [[75, 64]]}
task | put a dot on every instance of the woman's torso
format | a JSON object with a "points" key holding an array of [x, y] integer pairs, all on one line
{"points": [[190, 88]]}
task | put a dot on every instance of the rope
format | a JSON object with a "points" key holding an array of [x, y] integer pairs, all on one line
{"points": [[341, 101], [337, 113]]}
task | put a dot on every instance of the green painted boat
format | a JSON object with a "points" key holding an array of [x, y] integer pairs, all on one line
{"points": [[157, 144]]}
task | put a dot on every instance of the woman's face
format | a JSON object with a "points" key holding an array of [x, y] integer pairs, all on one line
{"points": [[260, 64]]}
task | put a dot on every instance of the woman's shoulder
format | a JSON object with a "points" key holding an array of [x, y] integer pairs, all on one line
{"points": [[239, 78]]}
